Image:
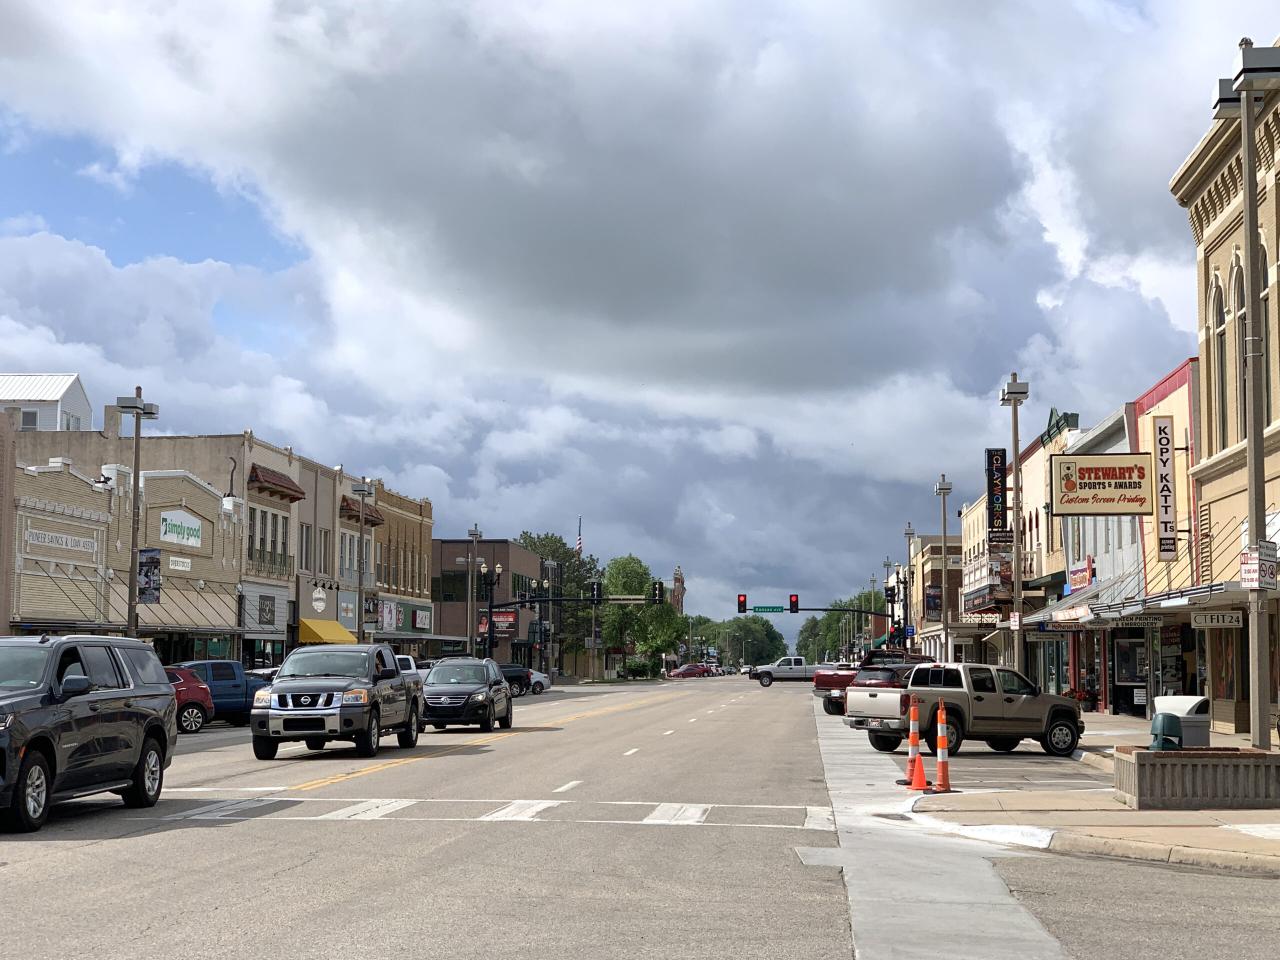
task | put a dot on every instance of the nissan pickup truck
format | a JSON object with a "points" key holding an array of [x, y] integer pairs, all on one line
{"points": [[787, 668], [994, 704], [352, 692]]}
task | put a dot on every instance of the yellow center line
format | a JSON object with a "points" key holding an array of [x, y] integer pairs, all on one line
{"points": [[479, 742]]}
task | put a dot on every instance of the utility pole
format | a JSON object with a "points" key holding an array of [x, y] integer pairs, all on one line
{"points": [[473, 557], [141, 411], [1013, 395]]}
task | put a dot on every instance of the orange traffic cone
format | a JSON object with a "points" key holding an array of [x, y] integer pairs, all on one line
{"points": [[918, 782], [944, 774], [913, 746]]}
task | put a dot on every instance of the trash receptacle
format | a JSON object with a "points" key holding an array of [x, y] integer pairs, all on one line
{"points": [[1193, 713]]}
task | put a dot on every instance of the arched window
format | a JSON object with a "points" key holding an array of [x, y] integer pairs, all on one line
{"points": [[1219, 340], [1242, 346]]}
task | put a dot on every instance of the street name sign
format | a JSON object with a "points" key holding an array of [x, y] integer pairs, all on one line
{"points": [[777, 609]]}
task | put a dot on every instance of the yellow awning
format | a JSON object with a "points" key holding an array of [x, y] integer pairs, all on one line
{"points": [[323, 631]]}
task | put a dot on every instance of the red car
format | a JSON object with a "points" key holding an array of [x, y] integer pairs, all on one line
{"points": [[893, 675], [689, 670], [195, 702], [832, 676]]}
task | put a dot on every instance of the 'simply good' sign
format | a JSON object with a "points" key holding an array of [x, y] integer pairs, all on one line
{"points": [[178, 526]]}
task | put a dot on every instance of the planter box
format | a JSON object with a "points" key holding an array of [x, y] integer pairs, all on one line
{"points": [[1197, 778]]}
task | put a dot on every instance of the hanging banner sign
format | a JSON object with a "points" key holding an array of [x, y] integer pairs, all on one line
{"points": [[1166, 498], [1102, 484], [933, 603], [997, 513], [149, 576]]}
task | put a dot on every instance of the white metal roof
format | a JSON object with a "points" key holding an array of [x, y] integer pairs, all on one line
{"points": [[34, 387]]}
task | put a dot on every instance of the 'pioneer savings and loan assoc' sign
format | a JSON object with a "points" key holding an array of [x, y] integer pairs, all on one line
{"points": [[1102, 484]]}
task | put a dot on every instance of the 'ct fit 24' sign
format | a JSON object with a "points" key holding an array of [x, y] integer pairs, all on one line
{"points": [[1103, 484]]}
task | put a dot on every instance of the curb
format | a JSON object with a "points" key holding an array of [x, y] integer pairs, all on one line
{"points": [[1096, 758], [1232, 861]]}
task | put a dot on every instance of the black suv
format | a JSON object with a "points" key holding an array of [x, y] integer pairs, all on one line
{"points": [[463, 691], [81, 715]]}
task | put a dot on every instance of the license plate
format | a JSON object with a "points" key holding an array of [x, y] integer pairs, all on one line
{"points": [[875, 722]]}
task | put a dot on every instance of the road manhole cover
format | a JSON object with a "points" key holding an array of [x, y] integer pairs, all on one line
{"points": [[892, 816]]}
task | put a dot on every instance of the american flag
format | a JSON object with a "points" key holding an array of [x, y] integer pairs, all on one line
{"points": [[579, 536]]}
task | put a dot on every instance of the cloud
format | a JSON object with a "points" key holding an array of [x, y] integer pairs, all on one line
{"points": [[22, 225], [734, 282]]}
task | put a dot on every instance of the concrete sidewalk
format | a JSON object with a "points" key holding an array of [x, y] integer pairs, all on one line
{"points": [[1094, 822]]}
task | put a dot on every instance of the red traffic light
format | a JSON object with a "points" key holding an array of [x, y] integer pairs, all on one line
{"points": [[742, 603], [795, 603]]}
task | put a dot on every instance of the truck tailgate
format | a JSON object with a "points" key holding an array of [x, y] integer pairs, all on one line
{"points": [[883, 702]]}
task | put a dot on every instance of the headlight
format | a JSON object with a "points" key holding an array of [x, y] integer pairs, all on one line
{"points": [[480, 696], [356, 696], [262, 698]]}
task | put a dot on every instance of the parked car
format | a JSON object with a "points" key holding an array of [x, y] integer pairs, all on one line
{"points": [[350, 692], [994, 704], [232, 688], [787, 668], [518, 677], [745, 669], [466, 691], [81, 715], [539, 682], [689, 670], [832, 676], [888, 675], [266, 674], [195, 702]]}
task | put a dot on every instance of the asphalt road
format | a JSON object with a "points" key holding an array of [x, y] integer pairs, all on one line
{"points": [[619, 821]]}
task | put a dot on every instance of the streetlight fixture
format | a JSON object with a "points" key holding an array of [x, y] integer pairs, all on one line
{"points": [[362, 489], [490, 581], [1013, 396], [941, 489], [1256, 70], [141, 410]]}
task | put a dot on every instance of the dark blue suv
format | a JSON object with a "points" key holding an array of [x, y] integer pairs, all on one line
{"points": [[81, 715]]}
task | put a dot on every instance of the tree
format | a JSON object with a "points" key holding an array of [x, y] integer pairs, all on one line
{"points": [[625, 624]]}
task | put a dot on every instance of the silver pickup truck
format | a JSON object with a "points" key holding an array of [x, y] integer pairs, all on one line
{"points": [[994, 704], [787, 668]]}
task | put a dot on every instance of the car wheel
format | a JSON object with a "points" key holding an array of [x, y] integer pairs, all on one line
{"points": [[884, 742], [765, 680], [148, 777], [30, 805], [408, 736], [1004, 744], [1060, 739], [537, 687], [367, 742], [264, 748], [831, 707], [505, 722], [955, 737], [486, 725], [316, 743], [191, 719]]}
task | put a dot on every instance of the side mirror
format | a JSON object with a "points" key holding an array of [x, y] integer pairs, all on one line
{"points": [[387, 673], [76, 685]]}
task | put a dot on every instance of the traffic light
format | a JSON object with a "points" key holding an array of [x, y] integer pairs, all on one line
{"points": [[795, 603], [742, 603], [597, 594], [890, 594], [659, 593]]}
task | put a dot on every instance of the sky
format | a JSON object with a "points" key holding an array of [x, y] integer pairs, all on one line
{"points": [[732, 281]]}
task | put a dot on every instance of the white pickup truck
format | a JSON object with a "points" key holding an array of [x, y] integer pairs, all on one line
{"points": [[787, 668]]}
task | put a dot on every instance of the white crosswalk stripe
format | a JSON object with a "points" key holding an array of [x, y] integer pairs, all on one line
{"points": [[678, 813], [521, 810], [367, 810], [223, 809]]}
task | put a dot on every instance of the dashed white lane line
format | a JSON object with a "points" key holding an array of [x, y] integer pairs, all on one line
{"points": [[667, 733], [367, 810], [693, 719], [567, 787], [678, 814], [521, 810], [631, 751]]}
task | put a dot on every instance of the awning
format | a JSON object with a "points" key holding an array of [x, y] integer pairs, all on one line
{"points": [[323, 631]]}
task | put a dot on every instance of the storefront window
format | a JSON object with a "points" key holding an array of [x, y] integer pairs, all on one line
{"points": [[1224, 665], [1131, 661]]}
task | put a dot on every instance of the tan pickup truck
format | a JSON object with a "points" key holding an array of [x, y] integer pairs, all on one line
{"points": [[994, 704]]}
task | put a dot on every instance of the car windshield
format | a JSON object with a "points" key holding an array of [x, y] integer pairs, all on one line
{"points": [[22, 667], [325, 663], [457, 673]]}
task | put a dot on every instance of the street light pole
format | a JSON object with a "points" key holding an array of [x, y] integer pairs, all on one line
{"points": [[1013, 395], [941, 489], [1257, 70], [473, 557], [909, 534], [490, 581], [362, 490], [141, 411], [888, 568]]}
